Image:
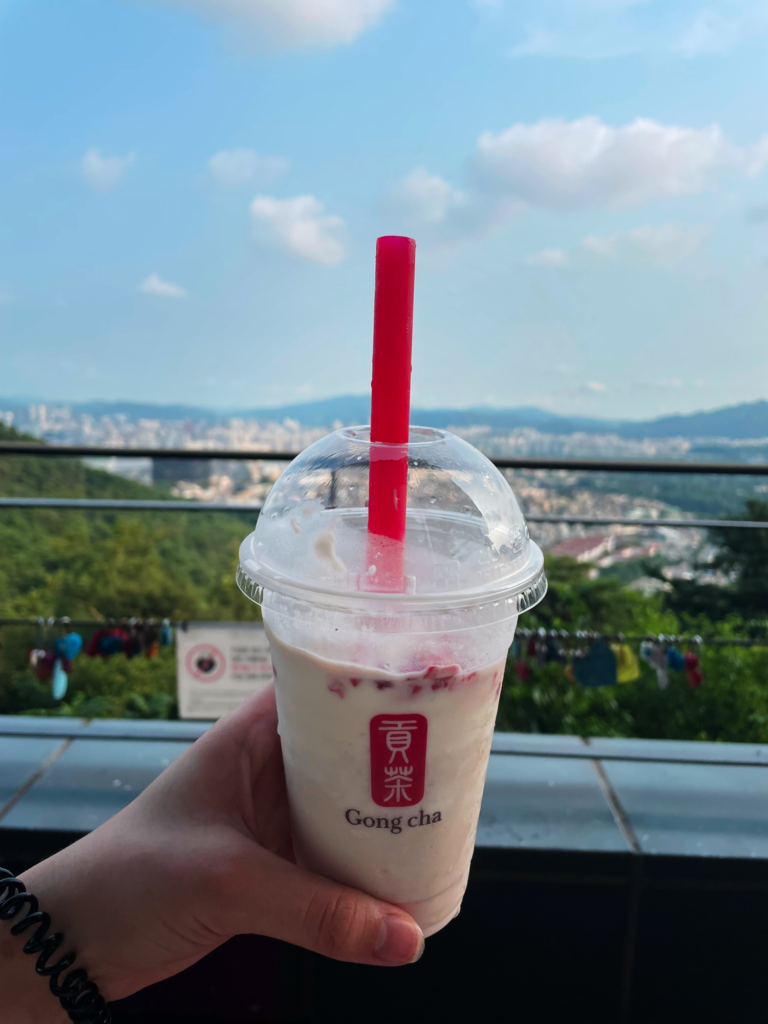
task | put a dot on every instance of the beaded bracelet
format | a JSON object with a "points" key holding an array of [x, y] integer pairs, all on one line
{"points": [[79, 997]]}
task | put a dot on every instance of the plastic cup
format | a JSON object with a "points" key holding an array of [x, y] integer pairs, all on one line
{"points": [[387, 700]]}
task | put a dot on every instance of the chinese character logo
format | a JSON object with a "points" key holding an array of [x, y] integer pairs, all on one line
{"points": [[398, 759]]}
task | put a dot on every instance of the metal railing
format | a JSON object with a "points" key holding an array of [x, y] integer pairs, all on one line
{"points": [[502, 462], [137, 505], [239, 454]]}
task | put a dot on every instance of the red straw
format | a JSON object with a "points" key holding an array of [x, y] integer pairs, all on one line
{"points": [[390, 410]]}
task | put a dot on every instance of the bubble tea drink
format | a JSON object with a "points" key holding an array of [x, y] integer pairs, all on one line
{"points": [[391, 571]]}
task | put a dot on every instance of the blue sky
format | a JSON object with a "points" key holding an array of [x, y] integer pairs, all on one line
{"points": [[191, 193]]}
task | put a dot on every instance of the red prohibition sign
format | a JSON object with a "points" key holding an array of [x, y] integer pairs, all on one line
{"points": [[205, 663]]}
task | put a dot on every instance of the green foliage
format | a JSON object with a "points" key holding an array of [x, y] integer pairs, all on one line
{"points": [[745, 552], [96, 565], [707, 496], [741, 552], [181, 565], [731, 706], [574, 601], [634, 568], [690, 601], [118, 687]]}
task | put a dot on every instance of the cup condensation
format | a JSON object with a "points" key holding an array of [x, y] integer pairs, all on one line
{"points": [[387, 701]]}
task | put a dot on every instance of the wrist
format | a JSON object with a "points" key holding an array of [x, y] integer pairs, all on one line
{"points": [[62, 891], [26, 997], [29, 996]]}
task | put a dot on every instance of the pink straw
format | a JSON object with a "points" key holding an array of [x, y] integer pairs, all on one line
{"points": [[390, 411]]}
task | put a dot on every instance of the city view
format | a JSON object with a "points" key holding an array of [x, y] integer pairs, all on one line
{"points": [[383, 511], [679, 554]]}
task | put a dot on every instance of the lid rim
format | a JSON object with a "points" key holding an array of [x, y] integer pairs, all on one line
{"points": [[528, 576], [519, 601]]}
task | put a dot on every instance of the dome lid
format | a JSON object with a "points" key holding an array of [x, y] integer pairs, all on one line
{"points": [[466, 542]]}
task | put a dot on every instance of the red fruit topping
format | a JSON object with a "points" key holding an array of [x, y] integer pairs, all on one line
{"points": [[355, 682], [440, 684], [337, 687], [441, 671], [384, 684], [416, 688]]}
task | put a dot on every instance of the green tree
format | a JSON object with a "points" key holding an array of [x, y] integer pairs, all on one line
{"points": [[575, 601], [97, 565], [743, 553]]}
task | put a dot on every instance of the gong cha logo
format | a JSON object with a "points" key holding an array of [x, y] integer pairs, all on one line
{"points": [[398, 759], [205, 663]]}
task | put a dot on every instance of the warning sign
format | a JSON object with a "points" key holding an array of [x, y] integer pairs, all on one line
{"points": [[219, 665]]}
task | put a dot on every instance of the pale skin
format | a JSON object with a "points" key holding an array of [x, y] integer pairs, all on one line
{"points": [[203, 854]]}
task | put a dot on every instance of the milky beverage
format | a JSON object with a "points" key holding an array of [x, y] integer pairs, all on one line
{"points": [[410, 821], [387, 701]]}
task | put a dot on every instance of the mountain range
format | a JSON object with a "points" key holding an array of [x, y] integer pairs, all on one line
{"points": [[747, 420]]}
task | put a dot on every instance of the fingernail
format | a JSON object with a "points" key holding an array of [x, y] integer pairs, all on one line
{"points": [[399, 941]]}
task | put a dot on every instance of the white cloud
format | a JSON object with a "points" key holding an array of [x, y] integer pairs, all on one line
{"points": [[155, 285], [570, 165], [299, 226], [709, 33], [295, 24], [600, 43], [595, 385], [713, 33], [548, 258], [600, 245], [610, 29], [426, 197], [105, 172], [240, 166], [663, 246], [441, 213]]}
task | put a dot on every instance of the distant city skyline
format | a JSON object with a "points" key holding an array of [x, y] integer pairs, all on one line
{"points": [[231, 409], [249, 482], [192, 192], [743, 425]]}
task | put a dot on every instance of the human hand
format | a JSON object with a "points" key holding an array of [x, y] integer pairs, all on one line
{"points": [[203, 854]]}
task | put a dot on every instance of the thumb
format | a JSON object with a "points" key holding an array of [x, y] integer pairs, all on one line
{"points": [[286, 902]]}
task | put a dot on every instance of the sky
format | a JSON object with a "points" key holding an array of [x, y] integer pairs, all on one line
{"points": [[191, 191]]}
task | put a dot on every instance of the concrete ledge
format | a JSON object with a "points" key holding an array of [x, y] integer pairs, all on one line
{"points": [[67, 776]]}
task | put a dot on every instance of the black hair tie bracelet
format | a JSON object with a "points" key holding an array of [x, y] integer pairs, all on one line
{"points": [[79, 997]]}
